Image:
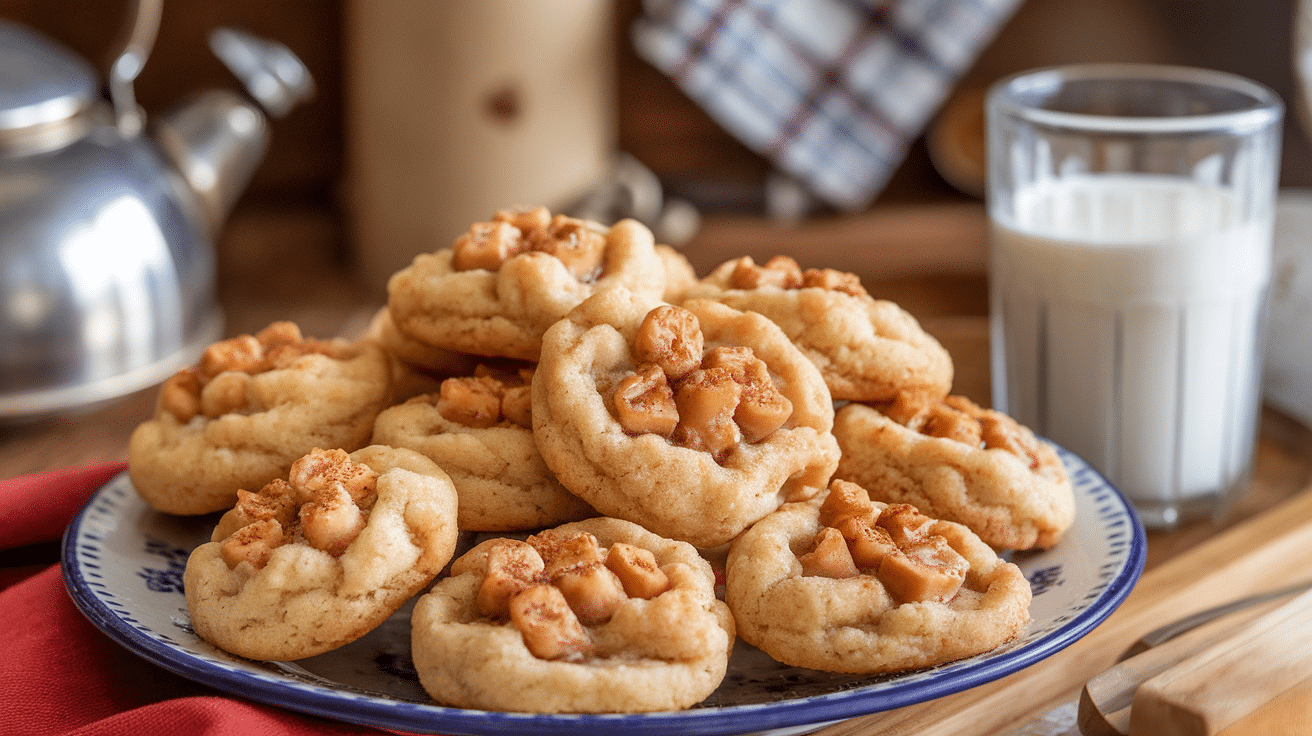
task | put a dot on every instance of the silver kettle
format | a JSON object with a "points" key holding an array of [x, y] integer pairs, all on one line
{"points": [[107, 224]]}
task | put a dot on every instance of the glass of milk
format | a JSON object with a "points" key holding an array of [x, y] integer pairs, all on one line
{"points": [[1131, 210]]}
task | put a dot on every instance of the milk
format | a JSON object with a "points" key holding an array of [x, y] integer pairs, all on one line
{"points": [[1126, 317]]}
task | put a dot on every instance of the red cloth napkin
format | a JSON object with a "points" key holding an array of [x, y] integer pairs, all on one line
{"points": [[61, 675]]}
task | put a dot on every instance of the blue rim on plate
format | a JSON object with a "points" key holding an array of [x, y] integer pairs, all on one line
{"points": [[122, 565]]}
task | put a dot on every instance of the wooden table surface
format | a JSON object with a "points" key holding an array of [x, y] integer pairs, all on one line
{"points": [[930, 259]]}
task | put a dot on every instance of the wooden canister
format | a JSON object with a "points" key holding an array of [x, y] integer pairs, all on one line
{"points": [[457, 108]]}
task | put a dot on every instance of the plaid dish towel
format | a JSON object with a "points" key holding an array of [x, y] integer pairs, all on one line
{"points": [[833, 92]]}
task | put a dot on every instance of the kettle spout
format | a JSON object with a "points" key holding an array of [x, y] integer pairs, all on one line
{"points": [[218, 139]]}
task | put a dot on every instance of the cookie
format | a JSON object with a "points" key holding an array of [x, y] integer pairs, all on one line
{"points": [[959, 462], [597, 616], [479, 429], [248, 409], [502, 284], [843, 584], [867, 349], [693, 421], [679, 273], [318, 560], [417, 368]]}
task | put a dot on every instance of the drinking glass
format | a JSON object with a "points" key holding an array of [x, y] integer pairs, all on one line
{"points": [[1131, 210]]}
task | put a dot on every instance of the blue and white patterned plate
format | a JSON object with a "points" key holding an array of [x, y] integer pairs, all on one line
{"points": [[123, 563]]}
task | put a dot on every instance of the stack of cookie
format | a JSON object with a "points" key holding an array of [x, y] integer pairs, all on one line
{"points": [[610, 424]]}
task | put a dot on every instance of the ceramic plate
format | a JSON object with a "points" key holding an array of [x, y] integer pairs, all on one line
{"points": [[123, 563]]}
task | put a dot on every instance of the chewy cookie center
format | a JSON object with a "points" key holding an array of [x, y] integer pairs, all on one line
{"points": [[324, 503], [958, 418], [551, 589], [488, 245], [783, 272], [893, 545], [704, 400], [220, 383], [488, 398]]}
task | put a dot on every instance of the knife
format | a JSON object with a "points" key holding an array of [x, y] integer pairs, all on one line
{"points": [[1165, 633]]}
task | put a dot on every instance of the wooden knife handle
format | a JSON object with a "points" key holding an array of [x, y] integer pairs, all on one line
{"points": [[1229, 679]]}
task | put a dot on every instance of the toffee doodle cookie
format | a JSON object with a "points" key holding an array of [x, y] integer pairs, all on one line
{"points": [[867, 349], [843, 584], [248, 409], [318, 560], [694, 421], [959, 462], [503, 283], [597, 616]]}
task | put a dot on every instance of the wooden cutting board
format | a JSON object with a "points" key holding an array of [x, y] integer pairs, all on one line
{"points": [[1229, 679], [1263, 553], [1107, 700]]}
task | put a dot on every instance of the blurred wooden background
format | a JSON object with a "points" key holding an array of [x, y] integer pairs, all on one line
{"points": [[295, 209], [656, 122]]}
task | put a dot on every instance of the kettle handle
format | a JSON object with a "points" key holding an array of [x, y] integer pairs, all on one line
{"points": [[139, 39]]}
